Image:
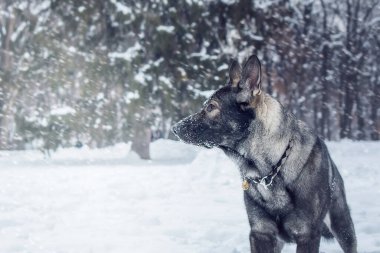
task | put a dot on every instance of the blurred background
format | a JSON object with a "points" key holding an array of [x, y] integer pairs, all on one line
{"points": [[97, 73]]}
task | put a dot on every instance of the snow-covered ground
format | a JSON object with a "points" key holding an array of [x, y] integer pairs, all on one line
{"points": [[186, 199]]}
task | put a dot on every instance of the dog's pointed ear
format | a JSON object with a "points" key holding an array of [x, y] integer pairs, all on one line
{"points": [[234, 73], [251, 79]]}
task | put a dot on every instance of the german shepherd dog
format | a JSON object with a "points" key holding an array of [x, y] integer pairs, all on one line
{"points": [[293, 191]]}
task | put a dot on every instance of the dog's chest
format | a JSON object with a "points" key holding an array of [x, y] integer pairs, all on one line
{"points": [[274, 199]]}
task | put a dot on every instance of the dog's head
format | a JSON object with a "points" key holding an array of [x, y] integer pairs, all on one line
{"points": [[226, 116]]}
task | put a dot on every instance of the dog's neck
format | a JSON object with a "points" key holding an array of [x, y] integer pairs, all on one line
{"points": [[271, 136], [267, 141], [249, 169]]}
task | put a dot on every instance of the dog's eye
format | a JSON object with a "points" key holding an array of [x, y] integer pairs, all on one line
{"points": [[210, 108]]}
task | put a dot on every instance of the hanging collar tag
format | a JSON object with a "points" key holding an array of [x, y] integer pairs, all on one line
{"points": [[268, 180]]}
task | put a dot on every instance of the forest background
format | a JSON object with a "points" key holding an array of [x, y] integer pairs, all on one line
{"points": [[97, 73]]}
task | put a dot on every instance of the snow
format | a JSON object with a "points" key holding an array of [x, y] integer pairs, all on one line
{"points": [[121, 7], [222, 67], [202, 54], [186, 199], [37, 8], [142, 77], [256, 37], [166, 28], [131, 95], [60, 111], [128, 55], [18, 31], [229, 2], [203, 93], [166, 81], [81, 9]]}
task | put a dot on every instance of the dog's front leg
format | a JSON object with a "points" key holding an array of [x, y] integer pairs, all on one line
{"points": [[264, 231], [263, 243], [309, 245], [307, 236]]}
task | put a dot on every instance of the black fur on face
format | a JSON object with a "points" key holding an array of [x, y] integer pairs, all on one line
{"points": [[221, 122]]}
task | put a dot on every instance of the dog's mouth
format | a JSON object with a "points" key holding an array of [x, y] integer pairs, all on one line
{"points": [[207, 145]]}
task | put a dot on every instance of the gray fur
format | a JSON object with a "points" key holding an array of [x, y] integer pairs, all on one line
{"points": [[254, 132]]}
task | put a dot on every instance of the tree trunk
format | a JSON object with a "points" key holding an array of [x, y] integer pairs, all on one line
{"points": [[325, 117], [375, 105], [349, 100], [2, 117], [360, 115], [6, 69], [141, 140]]}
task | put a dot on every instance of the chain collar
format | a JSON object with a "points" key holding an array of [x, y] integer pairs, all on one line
{"points": [[268, 179]]}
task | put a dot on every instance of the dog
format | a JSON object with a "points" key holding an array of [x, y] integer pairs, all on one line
{"points": [[293, 191]]}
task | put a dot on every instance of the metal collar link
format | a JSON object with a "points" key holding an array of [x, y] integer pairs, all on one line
{"points": [[268, 179]]}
